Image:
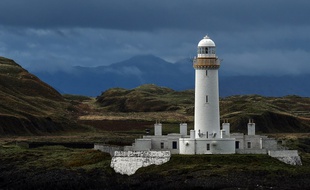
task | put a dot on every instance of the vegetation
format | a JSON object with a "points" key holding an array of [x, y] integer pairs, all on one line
{"points": [[58, 167], [32, 111], [271, 114], [72, 97], [29, 106], [145, 98]]}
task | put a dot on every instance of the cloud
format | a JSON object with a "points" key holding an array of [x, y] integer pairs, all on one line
{"points": [[149, 15], [130, 70], [91, 47], [267, 63], [54, 35]]}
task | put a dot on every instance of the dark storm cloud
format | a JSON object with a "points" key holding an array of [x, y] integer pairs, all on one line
{"points": [[268, 36], [150, 14]]}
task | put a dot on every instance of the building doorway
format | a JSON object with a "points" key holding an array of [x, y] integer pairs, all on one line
{"points": [[174, 145], [237, 144]]}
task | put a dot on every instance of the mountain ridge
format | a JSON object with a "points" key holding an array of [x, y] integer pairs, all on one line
{"points": [[149, 69]]}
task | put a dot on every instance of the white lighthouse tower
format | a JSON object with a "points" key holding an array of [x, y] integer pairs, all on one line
{"points": [[207, 137], [207, 116]]}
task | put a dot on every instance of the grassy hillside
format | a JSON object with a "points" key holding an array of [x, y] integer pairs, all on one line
{"points": [[271, 114], [145, 98], [28, 105]]}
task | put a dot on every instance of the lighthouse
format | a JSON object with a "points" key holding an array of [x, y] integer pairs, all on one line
{"points": [[207, 114], [207, 137]]}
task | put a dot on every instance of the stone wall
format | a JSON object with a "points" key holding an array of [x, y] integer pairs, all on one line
{"points": [[251, 151], [287, 156], [108, 148], [128, 162], [270, 143]]}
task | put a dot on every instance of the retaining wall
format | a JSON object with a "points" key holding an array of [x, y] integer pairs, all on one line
{"points": [[128, 162], [251, 151], [287, 156]]}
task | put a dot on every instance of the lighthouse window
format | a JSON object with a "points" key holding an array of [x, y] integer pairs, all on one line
{"points": [[206, 50], [206, 72], [208, 146], [161, 145], [207, 98]]}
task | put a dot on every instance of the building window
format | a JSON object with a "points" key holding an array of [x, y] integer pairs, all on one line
{"points": [[208, 146], [161, 145], [207, 98], [206, 72], [249, 144], [174, 145], [237, 144]]}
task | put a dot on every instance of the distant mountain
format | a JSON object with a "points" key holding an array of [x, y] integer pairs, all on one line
{"points": [[29, 106], [130, 73], [149, 69]]}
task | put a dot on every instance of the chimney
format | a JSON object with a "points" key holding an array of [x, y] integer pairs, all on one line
{"points": [[251, 127], [183, 129]]}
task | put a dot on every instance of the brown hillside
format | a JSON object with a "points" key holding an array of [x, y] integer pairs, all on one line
{"points": [[28, 105], [271, 114], [145, 98]]}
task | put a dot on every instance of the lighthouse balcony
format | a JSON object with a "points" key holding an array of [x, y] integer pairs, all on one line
{"points": [[202, 63]]}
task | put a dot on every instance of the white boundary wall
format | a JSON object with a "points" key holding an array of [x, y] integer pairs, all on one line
{"points": [[287, 156], [128, 162]]}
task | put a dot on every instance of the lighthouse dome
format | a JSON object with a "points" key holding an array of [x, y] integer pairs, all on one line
{"points": [[206, 48], [206, 42]]}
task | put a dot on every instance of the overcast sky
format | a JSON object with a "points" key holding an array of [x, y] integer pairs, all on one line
{"points": [[252, 36]]}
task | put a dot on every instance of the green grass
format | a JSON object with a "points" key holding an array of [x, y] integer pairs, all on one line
{"points": [[59, 157], [221, 164], [92, 164], [53, 157], [76, 97]]}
